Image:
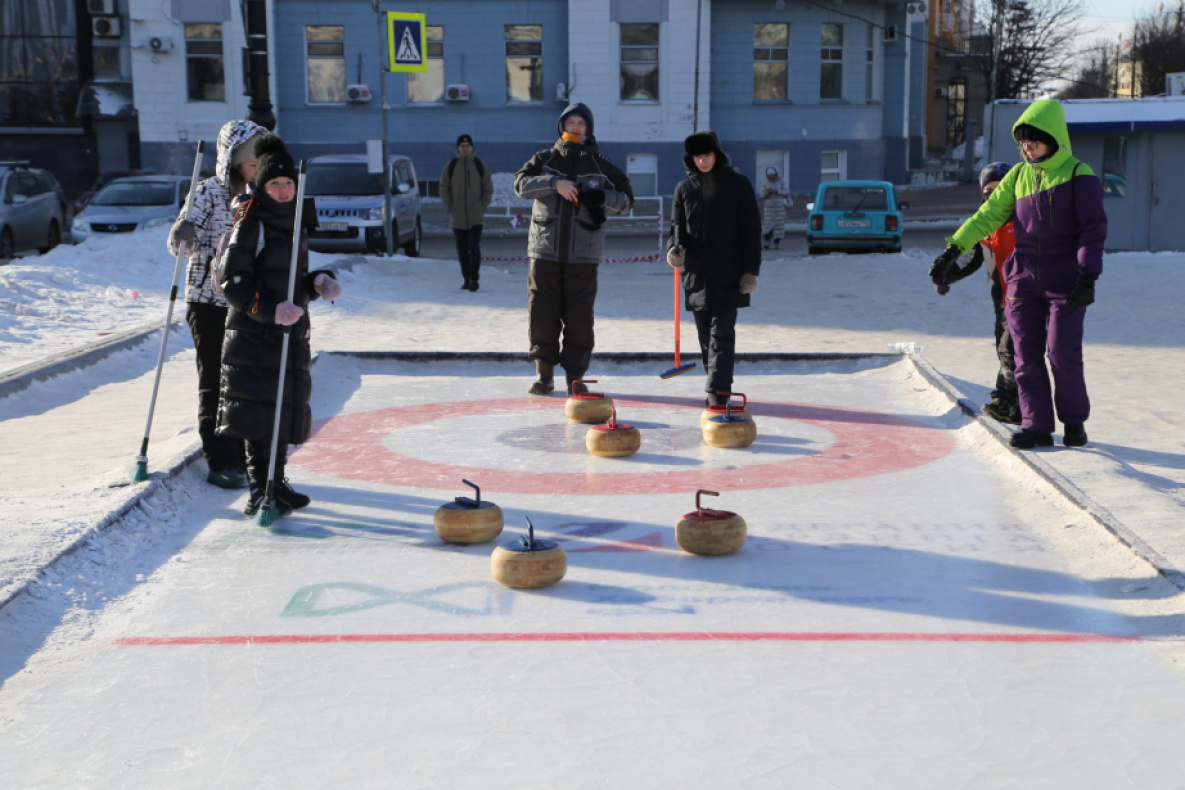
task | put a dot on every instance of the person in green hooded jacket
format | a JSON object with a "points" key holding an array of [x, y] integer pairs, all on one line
{"points": [[1060, 231]]}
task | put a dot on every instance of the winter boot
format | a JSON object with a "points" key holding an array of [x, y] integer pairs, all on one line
{"points": [[466, 285], [573, 386], [255, 502], [1001, 412], [545, 378], [1074, 435], [473, 286], [231, 477], [1027, 440], [293, 497], [716, 399]]}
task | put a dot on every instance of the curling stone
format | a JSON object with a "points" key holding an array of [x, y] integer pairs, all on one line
{"points": [[613, 439], [729, 429], [588, 406], [716, 411], [710, 532], [528, 562], [466, 520]]}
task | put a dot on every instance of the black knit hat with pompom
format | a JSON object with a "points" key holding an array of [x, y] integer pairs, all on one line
{"points": [[274, 160]]}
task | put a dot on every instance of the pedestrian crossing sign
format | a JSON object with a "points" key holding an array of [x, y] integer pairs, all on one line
{"points": [[407, 42]]}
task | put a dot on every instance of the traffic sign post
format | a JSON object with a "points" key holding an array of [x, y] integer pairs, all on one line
{"points": [[407, 42]]}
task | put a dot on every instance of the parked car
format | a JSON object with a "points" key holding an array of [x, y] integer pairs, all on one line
{"points": [[350, 205], [130, 204], [103, 180], [32, 209], [854, 216]]}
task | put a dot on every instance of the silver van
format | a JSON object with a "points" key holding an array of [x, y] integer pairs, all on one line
{"points": [[350, 205]]}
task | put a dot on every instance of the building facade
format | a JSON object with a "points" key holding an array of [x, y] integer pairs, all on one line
{"points": [[821, 92]]}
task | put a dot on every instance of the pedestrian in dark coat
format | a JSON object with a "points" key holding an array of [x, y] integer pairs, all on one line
{"points": [[255, 281], [466, 188], [1060, 231], [573, 186], [210, 216], [716, 240]]}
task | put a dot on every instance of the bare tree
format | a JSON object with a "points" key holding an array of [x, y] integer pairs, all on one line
{"points": [[1158, 47], [1094, 77], [1033, 43]]}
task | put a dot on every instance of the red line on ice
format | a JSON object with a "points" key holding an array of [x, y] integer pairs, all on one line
{"points": [[652, 636], [353, 447]]}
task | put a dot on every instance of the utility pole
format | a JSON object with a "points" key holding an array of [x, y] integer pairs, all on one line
{"points": [[259, 109], [382, 53]]}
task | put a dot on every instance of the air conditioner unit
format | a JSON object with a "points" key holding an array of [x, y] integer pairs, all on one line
{"points": [[561, 92], [358, 93], [100, 7], [941, 92], [457, 92], [106, 27], [889, 33], [159, 44]]}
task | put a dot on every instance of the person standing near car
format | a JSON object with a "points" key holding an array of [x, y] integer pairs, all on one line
{"points": [[716, 241], [1060, 231], [774, 197], [206, 307], [466, 189], [572, 186]]}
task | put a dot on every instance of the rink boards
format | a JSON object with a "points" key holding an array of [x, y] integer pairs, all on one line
{"points": [[907, 610]]}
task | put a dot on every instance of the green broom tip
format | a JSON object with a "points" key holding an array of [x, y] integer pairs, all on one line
{"points": [[140, 472], [267, 516]]}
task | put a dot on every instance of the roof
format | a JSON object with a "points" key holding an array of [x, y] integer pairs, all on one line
{"points": [[1120, 115]]}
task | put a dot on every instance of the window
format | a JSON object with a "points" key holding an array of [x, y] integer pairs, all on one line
{"points": [[835, 166], [831, 77], [326, 49], [639, 62], [771, 55], [955, 112], [870, 64], [428, 87], [204, 68], [1114, 166], [107, 62], [39, 75], [524, 63], [642, 170]]}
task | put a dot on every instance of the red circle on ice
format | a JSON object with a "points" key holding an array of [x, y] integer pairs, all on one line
{"points": [[351, 447]]}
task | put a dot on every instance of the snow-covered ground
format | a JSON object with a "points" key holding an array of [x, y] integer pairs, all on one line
{"points": [[67, 445]]}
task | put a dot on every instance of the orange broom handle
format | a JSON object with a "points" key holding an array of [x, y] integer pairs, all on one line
{"points": [[676, 274]]}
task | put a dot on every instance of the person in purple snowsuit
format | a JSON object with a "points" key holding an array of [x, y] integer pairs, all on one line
{"points": [[1060, 231]]}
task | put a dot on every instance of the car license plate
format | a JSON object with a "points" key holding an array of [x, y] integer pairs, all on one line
{"points": [[854, 223], [332, 226]]}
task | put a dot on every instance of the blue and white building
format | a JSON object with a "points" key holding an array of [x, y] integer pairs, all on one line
{"points": [[821, 89]]}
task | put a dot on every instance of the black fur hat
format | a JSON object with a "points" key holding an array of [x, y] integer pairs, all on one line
{"points": [[274, 160]]}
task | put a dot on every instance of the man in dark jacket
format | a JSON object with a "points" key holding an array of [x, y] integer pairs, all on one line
{"points": [[716, 240], [573, 186], [466, 188]]}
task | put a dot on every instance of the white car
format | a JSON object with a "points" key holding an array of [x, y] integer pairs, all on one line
{"points": [[130, 204]]}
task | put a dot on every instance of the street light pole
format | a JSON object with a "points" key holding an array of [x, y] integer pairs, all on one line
{"points": [[382, 53], [259, 109]]}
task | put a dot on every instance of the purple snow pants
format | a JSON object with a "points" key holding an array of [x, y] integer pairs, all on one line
{"points": [[1040, 321]]}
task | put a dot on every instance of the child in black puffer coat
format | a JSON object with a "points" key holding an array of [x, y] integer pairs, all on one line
{"points": [[255, 282]]}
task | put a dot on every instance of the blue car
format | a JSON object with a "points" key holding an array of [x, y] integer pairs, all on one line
{"points": [[854, 216]]}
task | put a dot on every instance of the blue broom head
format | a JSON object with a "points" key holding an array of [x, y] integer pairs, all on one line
{"points": [[679, 371], [266, 516]]}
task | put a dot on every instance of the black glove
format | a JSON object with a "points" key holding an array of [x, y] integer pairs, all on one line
{"points": [[1082, 294], [593, 198], [956, 272], [940, 270]]}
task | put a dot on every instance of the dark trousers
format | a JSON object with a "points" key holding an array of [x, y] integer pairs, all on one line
{"points": [[469, 251], [258, 458], [560, 299], [1038, 322], [717, 344], [1005, 391], [207, 322]]}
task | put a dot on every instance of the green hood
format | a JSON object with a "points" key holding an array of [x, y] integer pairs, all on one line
{"points": [[1048, 116]]}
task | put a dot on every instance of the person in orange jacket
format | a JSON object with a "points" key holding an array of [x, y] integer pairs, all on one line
{"points": [[1005, 405]]}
